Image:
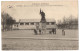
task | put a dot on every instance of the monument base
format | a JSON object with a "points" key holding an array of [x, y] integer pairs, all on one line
{"points": [[43, 27], [43, 31]]}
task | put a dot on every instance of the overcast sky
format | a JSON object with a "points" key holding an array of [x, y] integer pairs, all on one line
{"points": [[31, 10]]}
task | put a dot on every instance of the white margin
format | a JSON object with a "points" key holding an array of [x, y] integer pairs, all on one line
{"points": [[39, 0]]}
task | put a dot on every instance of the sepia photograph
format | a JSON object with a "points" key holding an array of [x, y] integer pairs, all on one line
{"points": [[39, 25]]}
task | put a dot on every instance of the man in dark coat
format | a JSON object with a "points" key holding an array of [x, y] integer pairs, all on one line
{"points": [[35, 32], [40, 31], [53, 31]]}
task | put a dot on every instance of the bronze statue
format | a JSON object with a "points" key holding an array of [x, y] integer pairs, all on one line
{"points": [[43, 16]]}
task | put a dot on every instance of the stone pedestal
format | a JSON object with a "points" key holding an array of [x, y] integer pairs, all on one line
{"points": [[43, 27]]}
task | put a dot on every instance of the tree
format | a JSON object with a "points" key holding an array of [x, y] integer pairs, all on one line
{"points": [[7, 20], [3, 19], [68, 22], [10, 21]]}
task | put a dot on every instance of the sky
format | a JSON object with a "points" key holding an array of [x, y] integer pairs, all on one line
{"points": [[31, 9]]}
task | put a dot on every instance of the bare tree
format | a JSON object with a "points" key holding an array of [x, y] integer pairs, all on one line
{"points": [[7, 20], [68, 22]]}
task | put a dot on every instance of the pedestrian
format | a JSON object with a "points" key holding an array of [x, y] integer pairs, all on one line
{"points": [[50, 32], [40, 31], [35, 32], [53, 31], [63, 32]]}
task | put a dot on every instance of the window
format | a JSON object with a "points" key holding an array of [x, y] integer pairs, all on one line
{"points": [[47, 23], [21, 23], [15, 25], [52, 23], [26, 23], [32, 23]]}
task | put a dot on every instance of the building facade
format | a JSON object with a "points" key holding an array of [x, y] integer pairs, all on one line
{"points": [[30, 24]]}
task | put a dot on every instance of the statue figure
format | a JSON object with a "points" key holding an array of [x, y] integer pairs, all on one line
{"points": [[43, 16]]}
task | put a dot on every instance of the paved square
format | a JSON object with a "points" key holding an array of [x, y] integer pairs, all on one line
{"points": [[26, 40]]}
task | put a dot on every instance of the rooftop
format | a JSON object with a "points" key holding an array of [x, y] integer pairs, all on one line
{"points": [[35, 20]]}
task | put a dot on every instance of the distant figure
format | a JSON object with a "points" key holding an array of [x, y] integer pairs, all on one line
{"points": [[53, 31], [50, 32], [35, 32], [39, 31], [63, 32]]}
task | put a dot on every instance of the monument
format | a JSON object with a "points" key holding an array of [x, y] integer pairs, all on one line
{"points": [[43, 22]]}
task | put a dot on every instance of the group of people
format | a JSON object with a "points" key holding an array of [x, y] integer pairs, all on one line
{"points": [[36, 31], [40, 31], [53, 31]]}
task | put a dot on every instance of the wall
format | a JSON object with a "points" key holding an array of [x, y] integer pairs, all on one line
{"points": [[50, 26]]}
